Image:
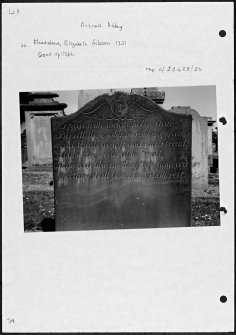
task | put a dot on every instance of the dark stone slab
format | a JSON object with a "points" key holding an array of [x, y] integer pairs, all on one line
{"points": [[122, 161]]}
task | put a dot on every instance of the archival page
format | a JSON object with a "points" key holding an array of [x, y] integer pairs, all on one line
{"points": [[118, 145]]}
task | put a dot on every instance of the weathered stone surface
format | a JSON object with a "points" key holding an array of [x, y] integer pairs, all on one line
{"points": [[199, 147], [36, 110], [38, 131], [122, 161]]}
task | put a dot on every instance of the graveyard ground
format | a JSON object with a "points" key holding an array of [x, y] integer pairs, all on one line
{"points": [[38, 202]]}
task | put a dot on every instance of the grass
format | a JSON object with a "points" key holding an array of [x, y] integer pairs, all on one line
{"points": [[38, 209], [205, 211]]}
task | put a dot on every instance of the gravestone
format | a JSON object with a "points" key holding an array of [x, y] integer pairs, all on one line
{"points": [[123, 162], [199, 147], [36, 111]]}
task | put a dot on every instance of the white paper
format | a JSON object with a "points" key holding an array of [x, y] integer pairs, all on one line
{"points": [[159, 280]]}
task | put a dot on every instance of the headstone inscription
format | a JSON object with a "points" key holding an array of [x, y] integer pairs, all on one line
{"points": [[122, 161]]}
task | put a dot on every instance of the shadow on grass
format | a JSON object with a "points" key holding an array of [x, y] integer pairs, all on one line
{"points": [[48, 224]]}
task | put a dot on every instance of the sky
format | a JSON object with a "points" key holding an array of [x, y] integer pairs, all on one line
{"points": [[200, 98]]}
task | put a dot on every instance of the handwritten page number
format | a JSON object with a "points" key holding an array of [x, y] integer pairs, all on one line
{"points": [[14, 11], [9, 320]]}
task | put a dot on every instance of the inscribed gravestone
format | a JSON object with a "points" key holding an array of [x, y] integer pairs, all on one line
{"points": [[122, 161]]}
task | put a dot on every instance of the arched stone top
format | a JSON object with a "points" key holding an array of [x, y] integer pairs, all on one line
{"points": [[121, 106]]}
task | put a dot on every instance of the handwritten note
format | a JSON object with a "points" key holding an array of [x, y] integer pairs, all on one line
{"points": [[50, 48], [68, 48], [174, 68]]}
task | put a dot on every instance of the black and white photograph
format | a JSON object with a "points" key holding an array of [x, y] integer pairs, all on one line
{"points": [[118, 167], [120, 158]]}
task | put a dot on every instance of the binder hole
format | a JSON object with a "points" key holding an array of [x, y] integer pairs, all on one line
{"points": [[223, 120], [223, 209], [223, 299], [222, 33]]}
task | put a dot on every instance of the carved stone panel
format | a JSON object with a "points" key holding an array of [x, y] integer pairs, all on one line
{"points": [[122, 162], [39, 142]]}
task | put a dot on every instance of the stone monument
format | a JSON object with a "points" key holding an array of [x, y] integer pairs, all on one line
{"points": [[199, 147], [122, 162], [36, 111]]}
